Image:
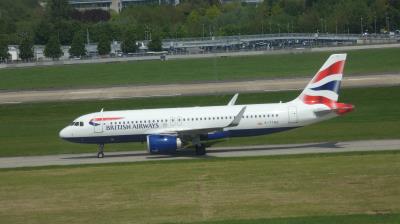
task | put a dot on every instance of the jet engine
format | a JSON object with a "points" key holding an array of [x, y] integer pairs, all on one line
{"points": [[163, 144]]}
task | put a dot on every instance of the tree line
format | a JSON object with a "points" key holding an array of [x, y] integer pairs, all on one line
{"points": [[25, 22]]}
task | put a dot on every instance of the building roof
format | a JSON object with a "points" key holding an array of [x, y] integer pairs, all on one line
{"points": [[88, 1]]}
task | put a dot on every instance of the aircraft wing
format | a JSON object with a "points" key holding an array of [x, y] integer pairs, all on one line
{"points": [[233, 100], [192, 132]]}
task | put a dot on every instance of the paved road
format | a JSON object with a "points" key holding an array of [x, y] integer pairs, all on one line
{"points": [[205, 55], [263, 150], [186, 89]]}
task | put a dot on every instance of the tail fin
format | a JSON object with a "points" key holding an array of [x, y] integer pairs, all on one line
{"points": [[324, 87]]}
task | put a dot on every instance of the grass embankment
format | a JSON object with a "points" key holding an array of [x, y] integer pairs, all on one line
{"points": [[32, 129], [249, 189], [194, 70], [336, 219]]}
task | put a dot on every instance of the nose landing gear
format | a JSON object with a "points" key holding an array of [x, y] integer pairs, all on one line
{"points": [[100, 153]]}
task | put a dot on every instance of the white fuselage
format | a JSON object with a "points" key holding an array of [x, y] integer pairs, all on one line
{"points": [[135, 125]]}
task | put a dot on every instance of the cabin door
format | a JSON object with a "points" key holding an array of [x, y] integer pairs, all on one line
{"points": [[292, 110]]}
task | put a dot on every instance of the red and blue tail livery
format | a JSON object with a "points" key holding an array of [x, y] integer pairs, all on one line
{"points": [[325, 86]]}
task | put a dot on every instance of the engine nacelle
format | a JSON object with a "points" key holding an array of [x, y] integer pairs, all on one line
{"points": [[163, 144]]}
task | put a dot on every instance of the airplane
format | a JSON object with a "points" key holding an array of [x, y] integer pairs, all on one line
{"points": [[167, 130]]}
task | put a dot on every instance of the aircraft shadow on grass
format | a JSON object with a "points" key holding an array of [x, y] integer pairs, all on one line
{"points": [[191, 153]]}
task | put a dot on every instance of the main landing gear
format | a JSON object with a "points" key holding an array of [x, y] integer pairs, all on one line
{"points": [[100, 153], [200, 149]]}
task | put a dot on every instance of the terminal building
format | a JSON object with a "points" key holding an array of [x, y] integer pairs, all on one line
{"points": [[243, 1], [116, 5]]}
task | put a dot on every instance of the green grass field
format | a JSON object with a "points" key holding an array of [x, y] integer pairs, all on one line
{"points": [[354, 188], [335, 219], [32, 129], [194, 70]]}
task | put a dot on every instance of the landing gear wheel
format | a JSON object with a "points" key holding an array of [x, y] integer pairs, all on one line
{"points": [[200, 150], [100, 153]]}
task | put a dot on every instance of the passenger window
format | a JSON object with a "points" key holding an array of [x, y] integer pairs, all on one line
{"points": [[81, 124]]}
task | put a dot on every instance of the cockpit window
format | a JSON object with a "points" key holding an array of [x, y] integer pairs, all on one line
{"points": [[80, 123]]}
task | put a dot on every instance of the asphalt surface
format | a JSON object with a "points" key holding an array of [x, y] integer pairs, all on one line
{"points": [[242, 151], [203, 55], [186, 89]]}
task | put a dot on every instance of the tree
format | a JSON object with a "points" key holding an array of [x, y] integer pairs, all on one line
{"points": [[129, 42], [26, 48], [65, 30], [53, 48], [58, 9], [155, 44], [4, 55], [104, 45], [78, 45], [42, 32]]}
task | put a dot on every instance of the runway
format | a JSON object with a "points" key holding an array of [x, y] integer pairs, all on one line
{"points": [[121, 92], [218, 152]]}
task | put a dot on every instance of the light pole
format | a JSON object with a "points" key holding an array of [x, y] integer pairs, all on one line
{"points": [[336, 26], [387, 24], [262, 27], [361, 23], [292, 28], [322, 25], [279, 29], [203, 31], [270, 27]]}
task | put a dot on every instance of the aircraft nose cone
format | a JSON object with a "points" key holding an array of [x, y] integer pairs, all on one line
{"points": [[63, 133]]}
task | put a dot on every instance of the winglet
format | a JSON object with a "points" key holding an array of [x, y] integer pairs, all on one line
{"points": [[238, 117], [233, 100]]}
